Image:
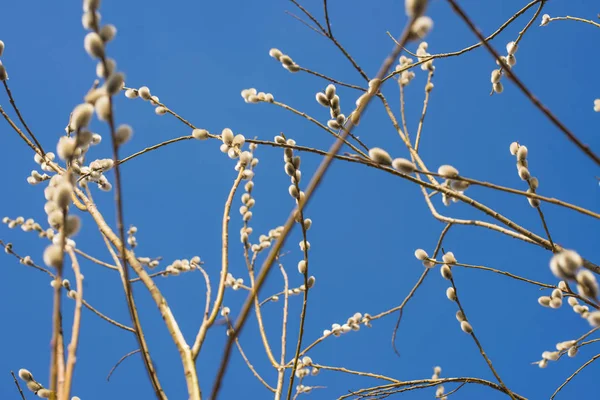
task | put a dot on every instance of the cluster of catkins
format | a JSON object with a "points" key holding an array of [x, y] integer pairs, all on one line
{"points": [[232, 144], [305, 368], [285, 60], [522, 167], [451, 173], [382, 157], [423, 55], [72, 149], [407, 75], [568, 265], [569, 347], [439, 392], [252, 96], [33, 385], [331, 100], [448, 259], [555, 300], [183, 265], [72, 294], [233, 283], [352, 324], [510, 60], [58, 195], [247, 203], [144, 93], [131, 239], [423, 24], [460, 316]]}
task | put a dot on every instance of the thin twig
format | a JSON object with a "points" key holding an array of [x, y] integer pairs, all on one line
{"points": [[574, 374], [479, 346], [106, 318], [18, 385], [120, 361], [400, 308], [14, 105], [66, 391], [587, 21]]}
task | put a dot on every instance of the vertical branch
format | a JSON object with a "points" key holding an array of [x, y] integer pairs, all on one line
{"points": [[305, 297], [224, 269], [75, 330], [281, 369]]}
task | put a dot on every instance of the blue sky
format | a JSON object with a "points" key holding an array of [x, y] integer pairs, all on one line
{"points": [[197, 57]]}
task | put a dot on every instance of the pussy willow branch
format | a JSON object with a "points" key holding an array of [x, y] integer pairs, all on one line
{"points": [[384, 168], [76, 328], [479, 346], [431, 382], [224, 269], [587, 21], [522, 32], [57, 356], [121, 229], [281, 369], [333, 39], [9, 250], [314, 183], [14, 106], [320, 125], [119, 362], [586, 150], [525, 235], [591, 360], [520, 278], [304, 300], [400, 308], [469, 48]]}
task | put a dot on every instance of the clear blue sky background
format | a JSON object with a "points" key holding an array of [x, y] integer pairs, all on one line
{"points": [[197, 57]]}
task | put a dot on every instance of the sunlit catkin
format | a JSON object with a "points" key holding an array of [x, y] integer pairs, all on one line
{"points": [[93, 45], [466, 327], [403, 165], [380, 156]]}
